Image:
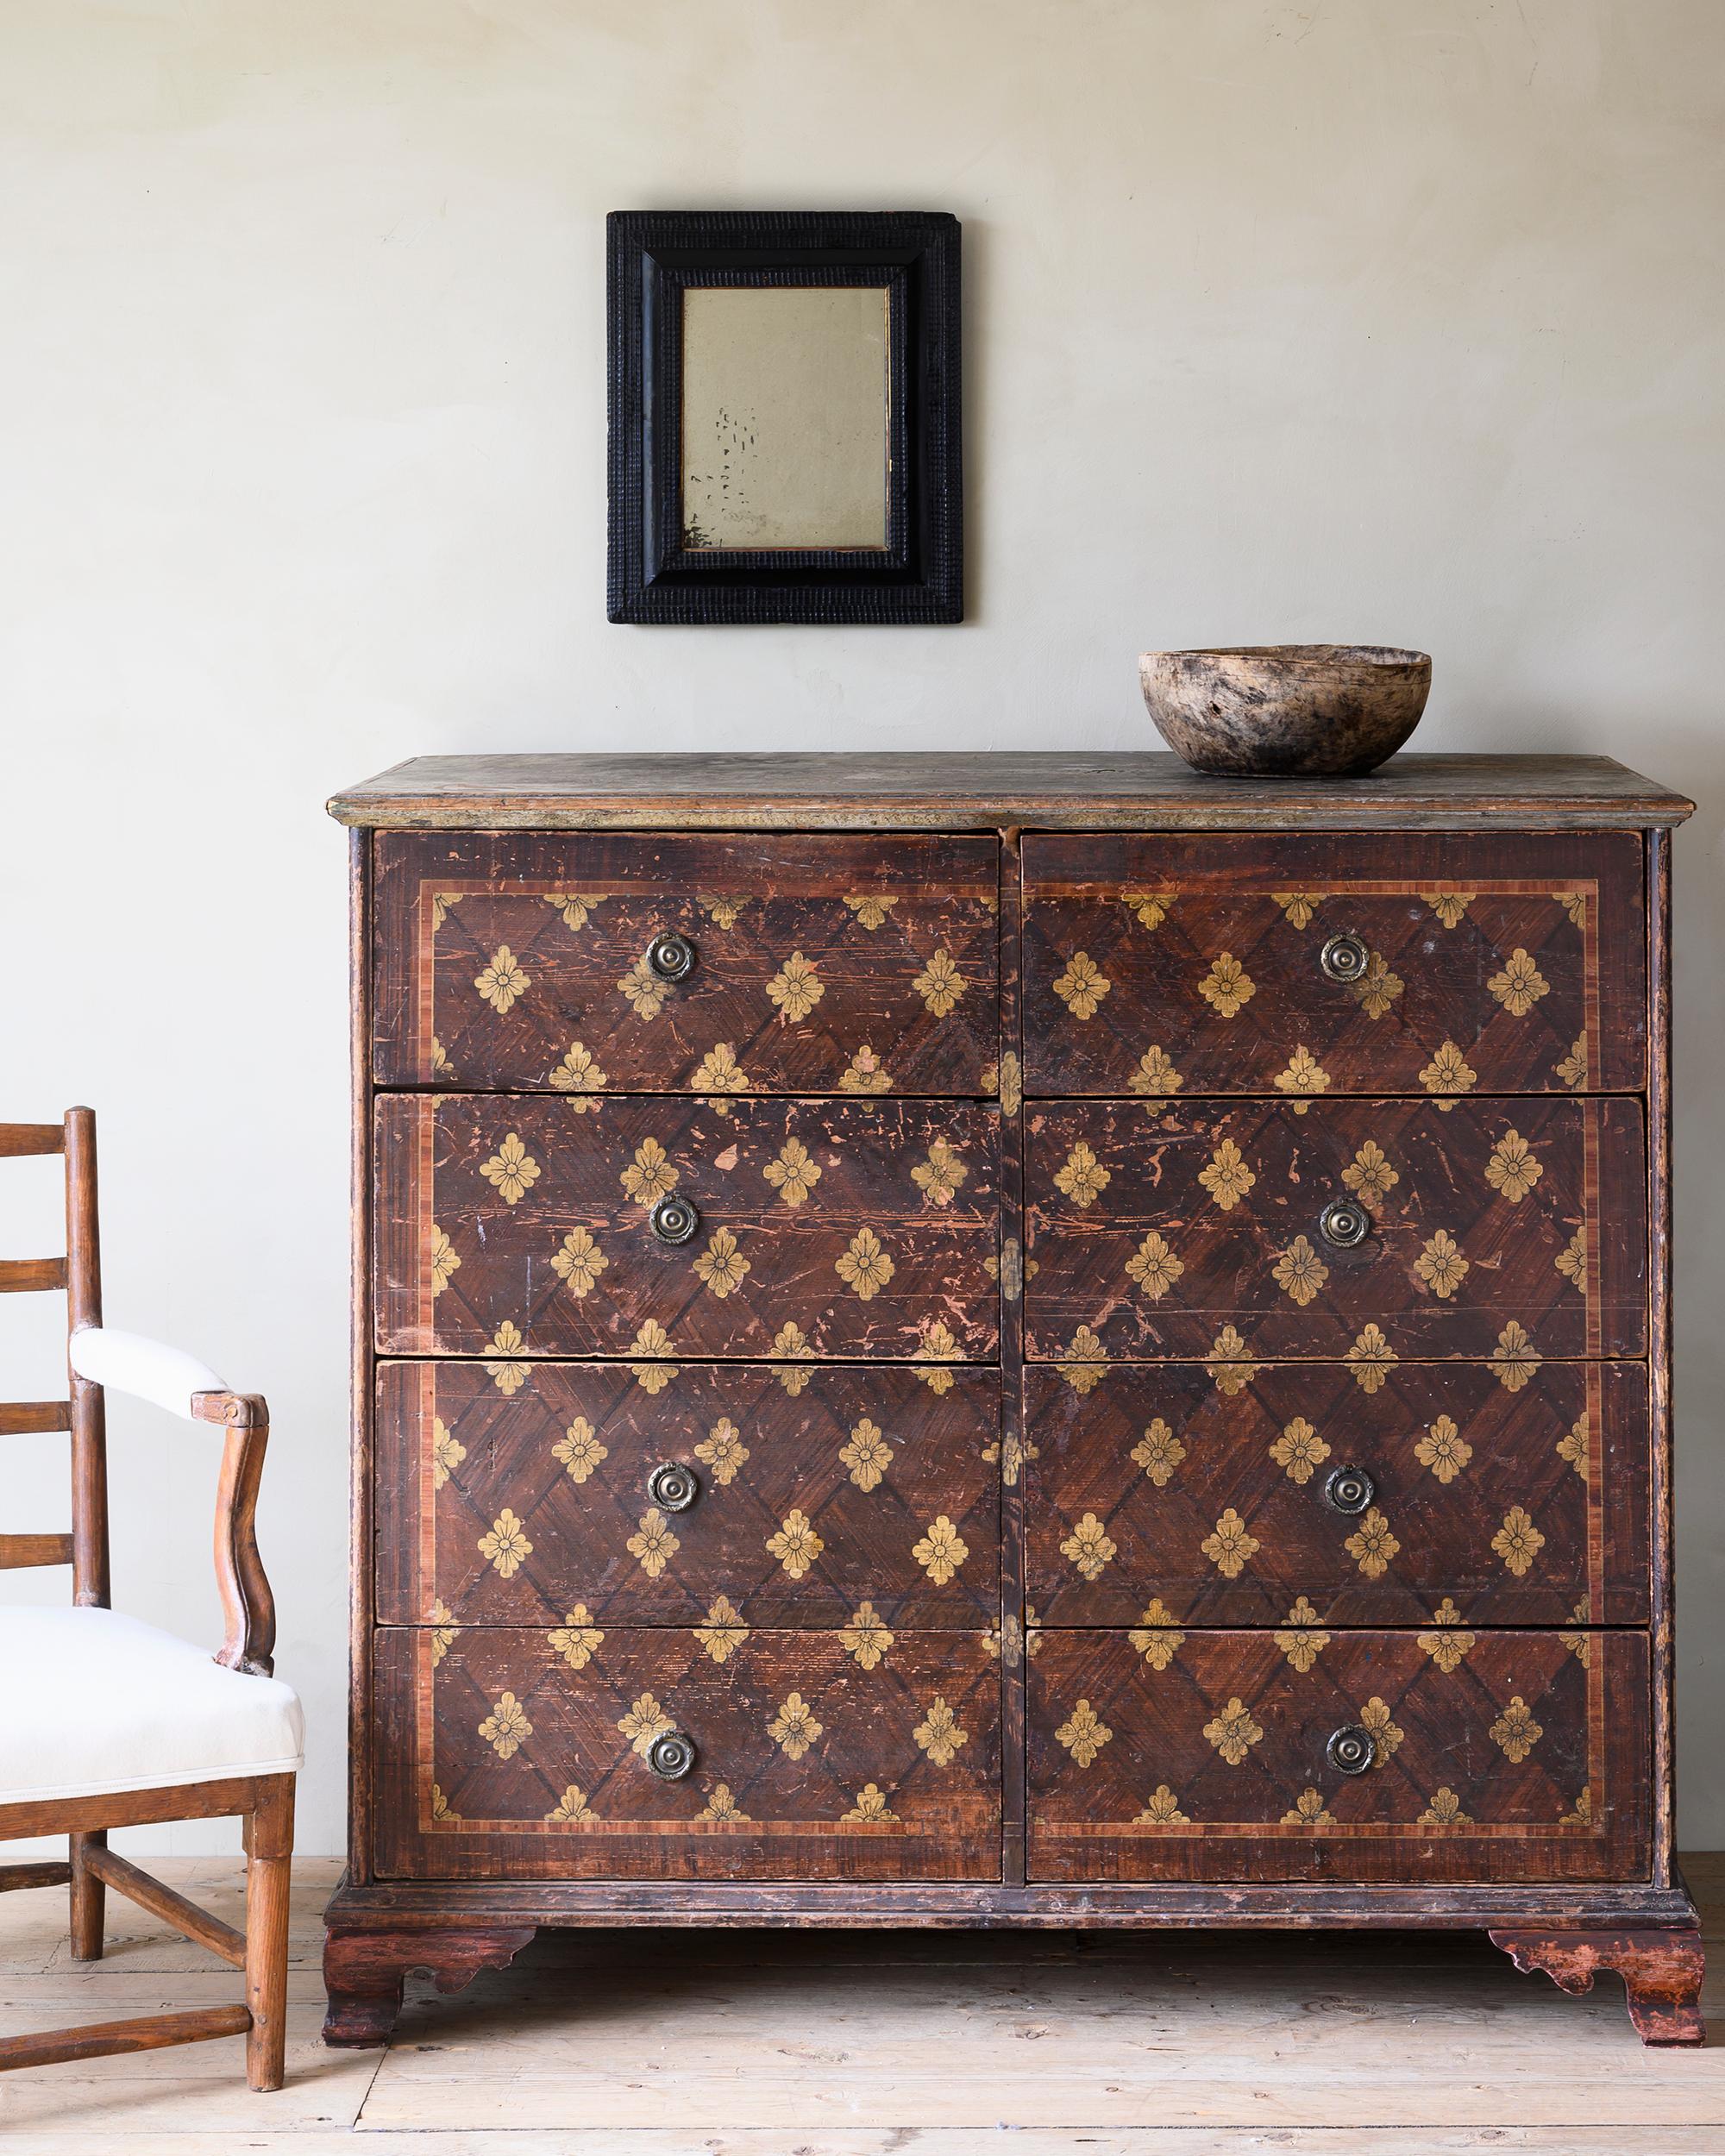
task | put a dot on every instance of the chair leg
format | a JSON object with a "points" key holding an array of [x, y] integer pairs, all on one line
{"points": [[269, 1849], [88, 1900]]}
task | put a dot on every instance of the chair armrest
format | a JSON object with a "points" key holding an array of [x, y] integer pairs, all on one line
{"points": [[128, 1363]]}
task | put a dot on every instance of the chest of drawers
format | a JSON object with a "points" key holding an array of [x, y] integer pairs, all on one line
{"points": [[1022, 1340]]}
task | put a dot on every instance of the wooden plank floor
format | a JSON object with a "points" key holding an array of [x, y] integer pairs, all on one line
{"points": [[935, 2044]]}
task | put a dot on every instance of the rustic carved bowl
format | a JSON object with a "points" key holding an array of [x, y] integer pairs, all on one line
{"points": [[1286, 710]]}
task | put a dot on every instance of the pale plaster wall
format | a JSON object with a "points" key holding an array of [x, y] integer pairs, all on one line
{"points": [[1388, 319]]}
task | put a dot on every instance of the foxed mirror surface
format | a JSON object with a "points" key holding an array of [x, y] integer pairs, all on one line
{"points": [[786, 416]]}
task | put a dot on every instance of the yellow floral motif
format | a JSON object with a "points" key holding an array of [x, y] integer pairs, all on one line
{"points": [[865, 1639], [1574, 903], [506, 1728], [1369, 1174], [1007, 1642], [643, 990], [440, 903], [940, 984], [511, 1170], [652, 1341], [1159, 1452], [937, 1346], [940, 1175], [1154, 1267], [1083, 1179], [864, 1267], [1149, 907], [1227, 988], [574, 907], [644, 1724], [1082, 986], [1444, 1450], [796, 1545], [1583, 1813], [1449, 905], [724, 1632], [1231, 1547], [1520, 985], [718, 1072], [1233, 1732], [1573, 1068], [440, 1065], [1371, 1545], [1374, 1718], [1450, 1647], [502, 983], [1513, 1168], [1227, 1178], [577, 1638], [571, 1809], [578, 1073], [938, 1733], [1011, 1454], [1309, 1810], [1371, 1358], [1163, 1810], [1009, 1079], [447, 1452], [1514, 1360], [505, 1372], [1302, 1642], [1376, 987], [796, 988], [440, 1807], [651, 1175], [870, 1809], [721, 1265], [1442, 1265], [867, 1454], [941, 1550], [722, 1808], [1083, 1734], [1229, 1370], [1157, 1635], [505, 1544], [1300, 1271], [1444, 1810], [790, 1342], [443, 1630], [1081, 1366], [1580, 1643], [1089, 1547], [865, 1073], [1514, 1732], [870, 910], [1298, 1450], [794, 1173], [723, 1450], [723, 909], [1156, 1076], [1298, 906], [653, 1544], [578, 1263], [793, 1727], [1448, 1073], [1572, 1447], [445, 1260], [1518, 1542], [1304, 1076], [1572, 1261]]}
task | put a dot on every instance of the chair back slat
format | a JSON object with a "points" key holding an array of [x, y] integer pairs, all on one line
{"points": [[17, 1139], [29, 1275], [23, 1418], [19, 1552]]}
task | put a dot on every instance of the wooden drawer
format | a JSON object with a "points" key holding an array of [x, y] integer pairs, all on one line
{"points": [[507, 1751], [1209, 1492], [1195, 963], [1204, 1754], [1506, 1229], [511, 1228], [816, 1490], [820, 964]]}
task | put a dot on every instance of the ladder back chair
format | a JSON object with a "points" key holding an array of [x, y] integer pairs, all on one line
{"points": [[144, 1727]]}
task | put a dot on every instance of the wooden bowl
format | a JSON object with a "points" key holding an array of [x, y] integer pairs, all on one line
{"points": [[1286, 710]]}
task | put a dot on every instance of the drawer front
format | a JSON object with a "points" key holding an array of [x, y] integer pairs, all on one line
{"points": [[525, 1753], [1197, 964], [1509, 1231], [819, 964], [513, 1228], [799, 1495], [1526, 1759], [1235, 1496]]}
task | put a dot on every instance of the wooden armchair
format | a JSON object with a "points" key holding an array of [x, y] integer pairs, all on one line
{"points": [[107, 1722]]}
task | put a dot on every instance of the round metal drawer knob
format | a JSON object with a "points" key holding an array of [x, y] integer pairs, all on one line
{"points": [[674, 1486], [1344, 958], [1349, 1489], [1352, 1750], [1344, 1223], [674, 1220], [672, 1756], [671, 957]]}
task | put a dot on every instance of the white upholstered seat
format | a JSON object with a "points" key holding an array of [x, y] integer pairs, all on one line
{"points": [[92, 1702]]}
